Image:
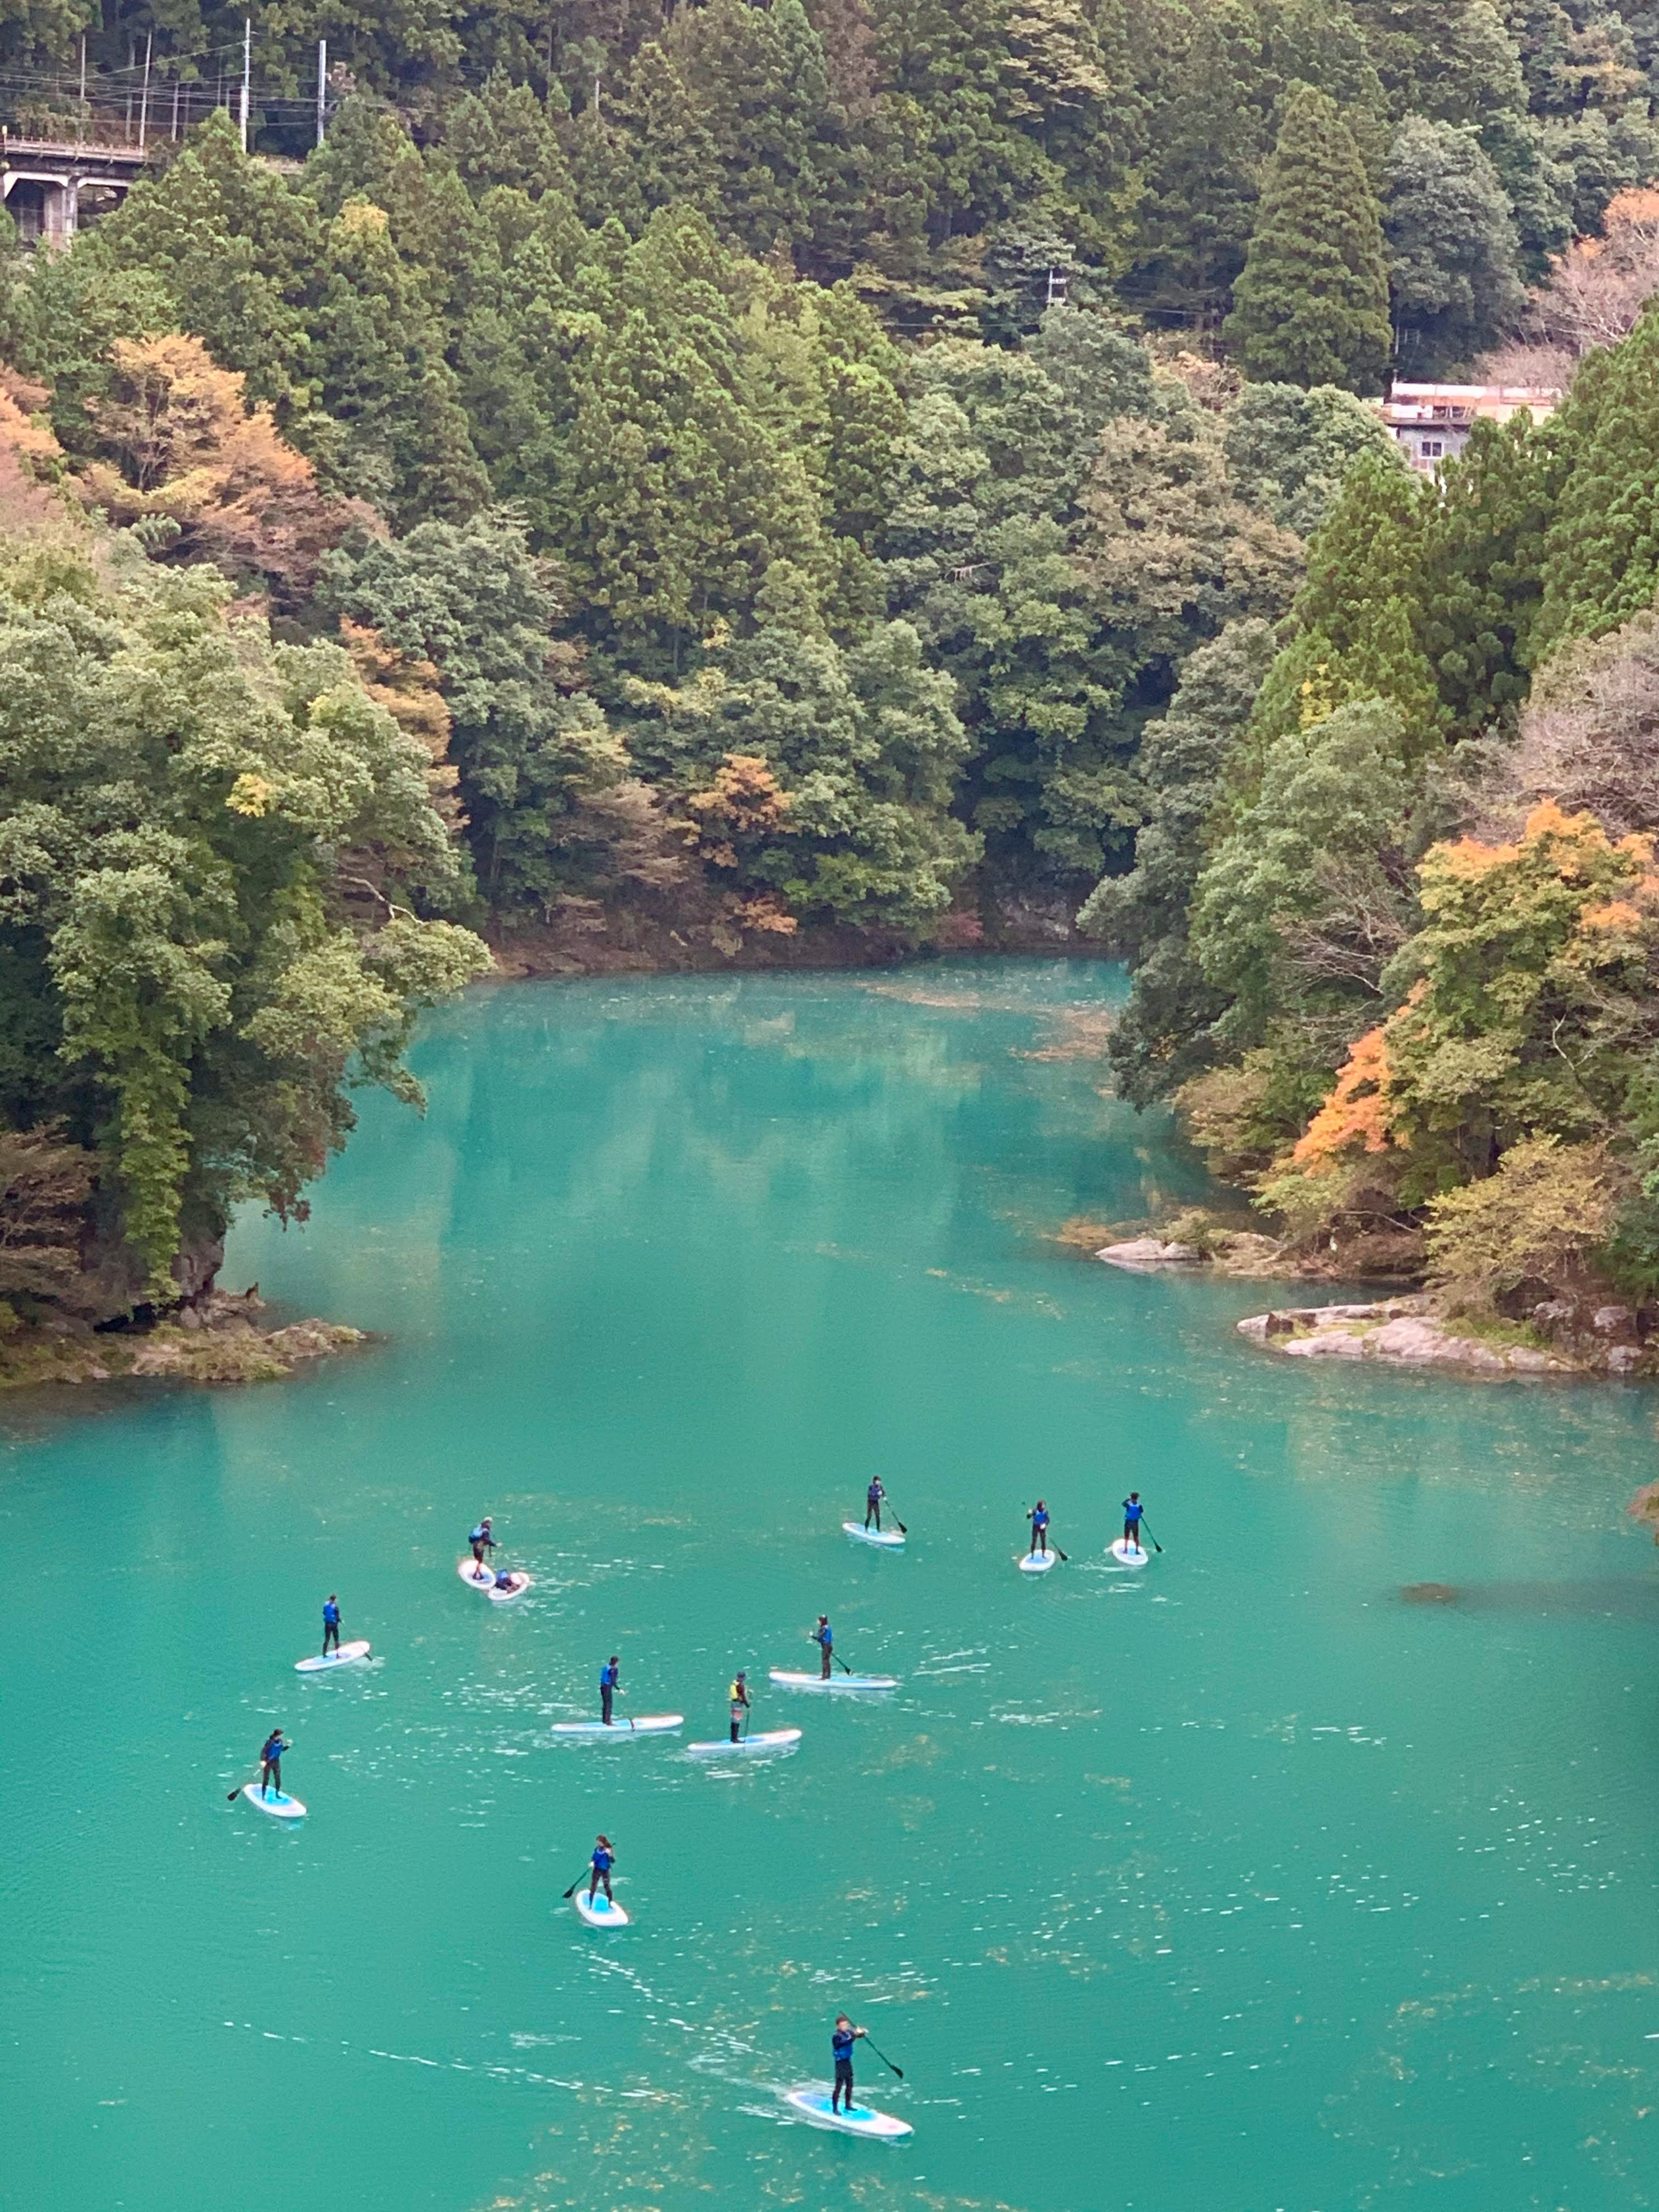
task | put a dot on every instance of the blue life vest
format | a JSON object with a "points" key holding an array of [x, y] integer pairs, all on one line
{"points": [[840, 2043]]}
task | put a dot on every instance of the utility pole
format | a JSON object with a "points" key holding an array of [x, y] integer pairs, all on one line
{"points": [[247, 71], [82, 124], [143, 99], [322, 89], [176, 106]]}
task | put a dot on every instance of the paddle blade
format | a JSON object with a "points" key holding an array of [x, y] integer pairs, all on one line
{"points": [[234, 1795], [899, 1526]]}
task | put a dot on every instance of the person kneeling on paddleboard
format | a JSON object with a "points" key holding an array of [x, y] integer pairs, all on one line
{"points": [[270, 1763], [739, 1694], [1133, 1510], [1038, 1517], [872, 1498], [330, 1623], [824, 1637], [608, 1675], [840, 2049], [603, 1859], [482, 1541], [503, 1579]]}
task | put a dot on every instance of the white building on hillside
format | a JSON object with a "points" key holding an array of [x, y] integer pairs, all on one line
{"points": [[1432, 421]]}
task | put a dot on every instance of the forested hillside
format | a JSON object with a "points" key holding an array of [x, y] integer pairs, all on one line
{"points": [[769, 480]]}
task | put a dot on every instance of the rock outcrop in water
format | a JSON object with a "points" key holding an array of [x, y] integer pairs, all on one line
{"points": [[1408, 1332], [218, 1339]]}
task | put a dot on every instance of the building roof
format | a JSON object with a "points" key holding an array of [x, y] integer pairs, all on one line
{"points": [[1430, 405]]}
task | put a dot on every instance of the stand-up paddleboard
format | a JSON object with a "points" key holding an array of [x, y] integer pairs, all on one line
{"points": [[1038, 1563], [599, 1911], [516, 1587], [787, 1679], [278, 1804], [471, 1572], [345, 1655], [641, 1724], [859, 2120], [883, 1540], [1129, 1555], [772, 1740]]}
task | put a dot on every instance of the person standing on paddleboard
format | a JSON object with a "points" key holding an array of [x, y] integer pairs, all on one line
{"points": [[823, 1636], [1133, 1510], [739, 1693], [270, 1763], [872, 1498], [482, 1541], [1038, 1517], [330, 1623], [608, 1680], [603, 1859], [840, 2049]]}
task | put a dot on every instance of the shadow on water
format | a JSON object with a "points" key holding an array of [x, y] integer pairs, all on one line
{"points": [[1630, 1597]]}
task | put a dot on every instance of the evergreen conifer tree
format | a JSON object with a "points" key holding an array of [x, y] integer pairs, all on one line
{"points": [[1602, 553], [1312, 304]]}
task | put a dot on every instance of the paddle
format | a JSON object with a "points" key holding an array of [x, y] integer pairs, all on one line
{"points": [[840, 1663], [1147, 1532], [578, 1882], [884, 2059]]}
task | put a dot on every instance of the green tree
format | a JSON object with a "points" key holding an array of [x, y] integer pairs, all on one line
{"points": [[1452, 245], [176, 796], [1311, 306], [1601, 547], [540, 769], [1163, 1038], [1289, 451]]}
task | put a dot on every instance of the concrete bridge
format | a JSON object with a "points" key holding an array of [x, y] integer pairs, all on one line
{"points": [[44, 182]]}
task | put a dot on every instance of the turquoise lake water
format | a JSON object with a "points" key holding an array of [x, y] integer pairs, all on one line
{"points": [[1238, 1884]]}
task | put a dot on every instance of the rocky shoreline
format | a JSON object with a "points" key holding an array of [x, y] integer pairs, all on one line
{"points": [[1408, 1332], [217, 1338], [1556, 1337]]}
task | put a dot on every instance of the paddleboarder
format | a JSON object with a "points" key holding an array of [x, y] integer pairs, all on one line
{"points": [[824, 1637], [1133, 1510], [872, 1498], [330, 1623], [739, 1694], [603, 1859], [270, 1763], [1038, 1517], [608, 1677], [482, 1541], [840, 2049]]}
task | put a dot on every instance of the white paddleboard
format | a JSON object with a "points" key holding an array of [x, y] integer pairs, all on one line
{"points": [[860, 2120], [601, 1913], [788, 1681], [772, 1740], [1129, 1555], [642, 1725], [519, 1584], [471, 1572], [279, 1804], [343, 1657], [1038, 1563], [883, 1539]]}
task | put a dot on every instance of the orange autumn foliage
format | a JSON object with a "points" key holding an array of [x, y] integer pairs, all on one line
{"points": [[408, 689], [744, 800], [178, 442], [1356, 1110]]}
